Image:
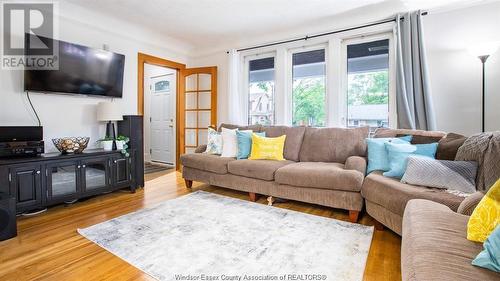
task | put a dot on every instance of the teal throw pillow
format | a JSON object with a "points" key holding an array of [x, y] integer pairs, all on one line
{"points": [[377, 154], [398, 156], [489, 257], [244, 139]]}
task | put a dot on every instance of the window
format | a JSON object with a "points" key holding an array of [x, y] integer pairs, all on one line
{"points": [[309, 88], [368, 84], [341, 80], [261, 91]]}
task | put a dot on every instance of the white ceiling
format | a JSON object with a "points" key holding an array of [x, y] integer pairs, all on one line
{"points": [[209, 23]]}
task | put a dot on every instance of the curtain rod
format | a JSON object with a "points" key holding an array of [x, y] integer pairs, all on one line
{"points": [[307, 37]]}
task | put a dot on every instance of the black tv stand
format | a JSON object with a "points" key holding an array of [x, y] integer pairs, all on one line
{"points": [[54, 178]]}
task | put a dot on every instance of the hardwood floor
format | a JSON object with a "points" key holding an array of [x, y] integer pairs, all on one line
{"points": [[49, 248]]}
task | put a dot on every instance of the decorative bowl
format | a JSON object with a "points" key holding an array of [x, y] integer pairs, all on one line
{"points": [[71, 144]]}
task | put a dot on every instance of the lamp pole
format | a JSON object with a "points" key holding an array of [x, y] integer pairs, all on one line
{"points": [[483, 98]]}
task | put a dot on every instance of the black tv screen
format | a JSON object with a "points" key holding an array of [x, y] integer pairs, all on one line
{"points": [[82, 70]]}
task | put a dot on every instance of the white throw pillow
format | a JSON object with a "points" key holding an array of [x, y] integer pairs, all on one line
{"points": [[230, 142]]}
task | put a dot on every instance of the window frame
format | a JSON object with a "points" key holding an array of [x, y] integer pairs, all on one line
{"points": [[289, 71], [246, 82], [392, 115]]}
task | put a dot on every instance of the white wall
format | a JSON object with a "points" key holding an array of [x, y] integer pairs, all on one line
{"points": [[456, 75], [75, 115], [149, 72]]}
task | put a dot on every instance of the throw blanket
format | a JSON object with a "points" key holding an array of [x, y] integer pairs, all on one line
{"points": [[484, 148]]}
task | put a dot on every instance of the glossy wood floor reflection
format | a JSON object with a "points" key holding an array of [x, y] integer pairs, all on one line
{"points": [[49, 248]]}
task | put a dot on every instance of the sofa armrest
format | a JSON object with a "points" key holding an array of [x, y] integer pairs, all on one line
{"points": [[469, 204], [201, 148], [357, 163]]}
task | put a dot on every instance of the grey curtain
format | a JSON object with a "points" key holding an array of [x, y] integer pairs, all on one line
{"points": [[413, 94]]}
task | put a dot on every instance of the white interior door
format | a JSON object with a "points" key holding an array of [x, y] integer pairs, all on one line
{"points": [[163, 100]]}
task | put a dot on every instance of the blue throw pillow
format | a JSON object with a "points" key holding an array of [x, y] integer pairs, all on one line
{"points": [[245, 143], [398, 156], [490, 257], [377, 154]]}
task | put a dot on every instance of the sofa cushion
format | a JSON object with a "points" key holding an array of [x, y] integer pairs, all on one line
{"points": [[435, 247], [254, 128], [293, 142], [320, 175], [392, 133], [333, 144], [206, 162], [393, 194], [449, 145], [470, 203], [418, 139], [258, 169]]}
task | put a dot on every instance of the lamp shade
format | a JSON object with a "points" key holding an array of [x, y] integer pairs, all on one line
{"points": [[108, 111], [483, 48]]}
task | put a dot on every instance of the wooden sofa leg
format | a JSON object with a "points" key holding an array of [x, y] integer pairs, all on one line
{"points": [[353, 216], [379, 226], [189, 183], [252, 196]]}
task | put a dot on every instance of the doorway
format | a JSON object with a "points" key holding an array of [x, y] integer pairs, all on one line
{"points": [[195, 104], [160, 114]]}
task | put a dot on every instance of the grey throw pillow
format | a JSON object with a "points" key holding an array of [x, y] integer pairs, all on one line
{"points": [[454, 175]]}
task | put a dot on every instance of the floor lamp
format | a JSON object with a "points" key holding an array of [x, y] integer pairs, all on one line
{"points": [[483, 52]]}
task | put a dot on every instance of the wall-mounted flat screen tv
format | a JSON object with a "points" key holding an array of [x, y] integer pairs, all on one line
{"points": [[82, 70]]}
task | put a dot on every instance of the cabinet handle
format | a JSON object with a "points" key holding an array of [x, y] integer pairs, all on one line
{"points": [[37, 172], [114, 161], [78, 166], [83, 166]]}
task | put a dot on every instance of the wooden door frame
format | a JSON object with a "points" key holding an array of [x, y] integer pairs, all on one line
{"points": [[179, 67]]}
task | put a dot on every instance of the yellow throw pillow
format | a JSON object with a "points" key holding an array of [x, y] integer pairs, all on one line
{"points": [[267, 148], [486, 216]]}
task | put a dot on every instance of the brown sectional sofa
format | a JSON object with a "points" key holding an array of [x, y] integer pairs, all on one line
{"points": [[435, 247], [324, 166]]}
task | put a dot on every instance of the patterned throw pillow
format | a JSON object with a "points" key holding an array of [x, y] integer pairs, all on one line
{"points": [[214, 143], [267, 148], [456, 175], [486, 216]]}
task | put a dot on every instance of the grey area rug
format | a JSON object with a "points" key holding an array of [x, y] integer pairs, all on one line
{"points": [[205, 234]]}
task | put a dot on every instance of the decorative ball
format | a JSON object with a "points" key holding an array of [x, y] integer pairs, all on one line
{"points": [[71, 144]]}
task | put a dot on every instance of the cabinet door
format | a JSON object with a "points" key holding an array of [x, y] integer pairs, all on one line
{"points": [[62, 181], [25, 185], [95, 175], [122, 171]]}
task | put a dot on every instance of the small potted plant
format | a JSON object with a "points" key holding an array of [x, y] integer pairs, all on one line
{"points": [[121, 141], [107, 143]]}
